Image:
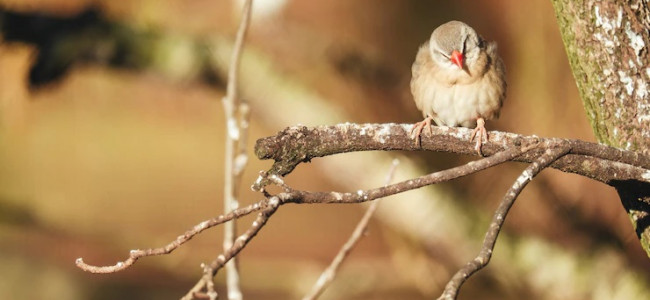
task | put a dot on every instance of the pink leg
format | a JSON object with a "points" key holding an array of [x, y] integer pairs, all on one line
{"points": [[417, 129], [480, 133]]}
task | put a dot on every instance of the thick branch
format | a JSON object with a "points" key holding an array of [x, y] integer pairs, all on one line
{"points": [[299, 144], [608, 46]]}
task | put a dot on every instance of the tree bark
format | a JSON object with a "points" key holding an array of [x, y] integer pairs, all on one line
{"points": [[607, 46]]}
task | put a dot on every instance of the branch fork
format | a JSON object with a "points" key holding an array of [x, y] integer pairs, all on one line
{"points": [[299, 144]]}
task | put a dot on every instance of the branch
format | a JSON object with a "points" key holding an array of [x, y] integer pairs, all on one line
{"points": [[134, 255], [235, 148], [238, 245], [299, 144], [246, 237], [348, 137], [400, 187], [296, 196], [483, 258]]}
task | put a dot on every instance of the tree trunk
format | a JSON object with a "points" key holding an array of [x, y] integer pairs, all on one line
{"points": [[607, 45]]}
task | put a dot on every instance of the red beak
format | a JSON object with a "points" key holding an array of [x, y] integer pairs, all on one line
{"points": [[457, 58]]}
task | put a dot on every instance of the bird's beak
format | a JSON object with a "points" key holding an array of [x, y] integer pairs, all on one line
{"points": [[457, 59]]}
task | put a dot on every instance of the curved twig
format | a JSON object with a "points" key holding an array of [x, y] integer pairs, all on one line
{"points": [[329, 273], [483, 258], [296, 196], [134, 255]]}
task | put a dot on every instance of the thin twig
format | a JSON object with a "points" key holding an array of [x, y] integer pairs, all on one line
{"points": [[232, 91], [241, 156], [296, 196], [483, 258], [246, 237], [134, 255], [329, 273], [209, 283], [234, 167], [238, 245]]}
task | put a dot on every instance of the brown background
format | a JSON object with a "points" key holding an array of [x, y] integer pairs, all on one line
{"points": [[108, 159]]}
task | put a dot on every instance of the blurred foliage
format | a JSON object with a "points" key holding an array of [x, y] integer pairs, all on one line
{"points": [[111, 128]]}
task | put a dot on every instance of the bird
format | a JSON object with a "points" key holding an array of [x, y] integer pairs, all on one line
{"points": [[458, 79]]}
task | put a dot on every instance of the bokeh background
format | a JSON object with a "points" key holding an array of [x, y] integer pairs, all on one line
{"points": [[111, 130]]}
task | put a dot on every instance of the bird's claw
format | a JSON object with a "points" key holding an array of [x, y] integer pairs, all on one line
{"points": [[480, 133], [417, 130]]}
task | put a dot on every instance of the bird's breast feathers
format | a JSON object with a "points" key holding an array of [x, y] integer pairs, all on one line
{"points": [[459, 102]]}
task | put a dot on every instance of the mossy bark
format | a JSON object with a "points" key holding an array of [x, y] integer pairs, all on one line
{"points": [[607, 43]]}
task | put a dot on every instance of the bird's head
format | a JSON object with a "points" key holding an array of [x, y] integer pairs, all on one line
{"points": [[455, 45]]}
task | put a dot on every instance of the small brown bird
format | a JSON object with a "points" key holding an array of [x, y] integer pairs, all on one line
{"points": [[458, 80]]}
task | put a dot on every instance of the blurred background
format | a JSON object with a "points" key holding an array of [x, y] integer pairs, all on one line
{"points": [[111, 131]]}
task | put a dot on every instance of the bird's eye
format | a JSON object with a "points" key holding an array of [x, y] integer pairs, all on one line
{"points": [[481, 43]]}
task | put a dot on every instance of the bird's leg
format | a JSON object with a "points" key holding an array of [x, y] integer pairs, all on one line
{"points": [[417, 129], [479, 133]]}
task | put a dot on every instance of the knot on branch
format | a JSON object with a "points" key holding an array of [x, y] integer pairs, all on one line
{"points": [[298, 144], [288, 148]]}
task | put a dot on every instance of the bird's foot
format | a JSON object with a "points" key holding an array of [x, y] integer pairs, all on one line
{"points": [[417, 129], [479, 133]]}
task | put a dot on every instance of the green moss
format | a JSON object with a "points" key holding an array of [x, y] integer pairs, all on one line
{"points": [[577, 25]]}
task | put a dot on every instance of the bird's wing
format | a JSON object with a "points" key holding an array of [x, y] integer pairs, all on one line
{"points": [[419, 69], [499, 70]]}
